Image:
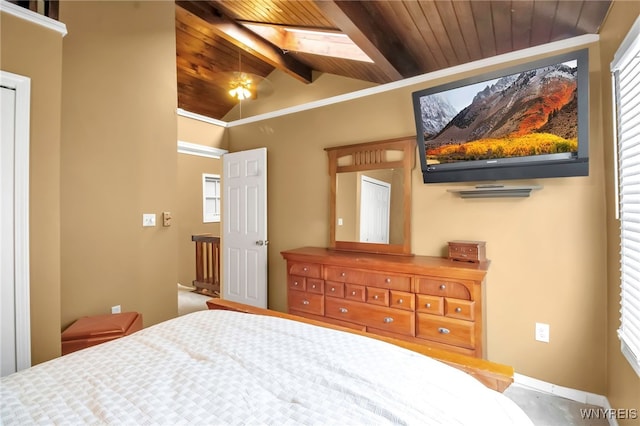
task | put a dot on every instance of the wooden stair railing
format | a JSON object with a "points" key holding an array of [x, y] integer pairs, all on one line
{"points": [[48, 8], [207, 264]]}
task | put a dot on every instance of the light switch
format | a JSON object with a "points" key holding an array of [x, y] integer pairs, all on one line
{"points": [[166, 218], [149, 219]]}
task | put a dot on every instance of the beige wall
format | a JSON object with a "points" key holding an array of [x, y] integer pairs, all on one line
{"points": [[623, 385], [118, 158], [202, 133], [548, 251], [35, 52]]}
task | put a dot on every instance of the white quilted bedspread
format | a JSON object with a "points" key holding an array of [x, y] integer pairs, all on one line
{"points": [[221, 367]]}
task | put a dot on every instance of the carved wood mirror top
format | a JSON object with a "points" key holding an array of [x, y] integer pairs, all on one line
{"points": [[371, 196]]}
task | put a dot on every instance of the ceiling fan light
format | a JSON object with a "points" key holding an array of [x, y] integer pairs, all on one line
{"points": [[240, 92]]}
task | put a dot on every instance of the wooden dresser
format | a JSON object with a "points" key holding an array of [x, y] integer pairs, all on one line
{"points": [[422, 299]]}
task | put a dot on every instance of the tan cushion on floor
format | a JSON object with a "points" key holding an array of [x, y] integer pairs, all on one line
{"points": [[90, 331]]}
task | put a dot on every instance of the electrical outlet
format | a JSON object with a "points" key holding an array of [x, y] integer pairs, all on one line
{"points": [[542, 332], [149, 219], [116, 309]]}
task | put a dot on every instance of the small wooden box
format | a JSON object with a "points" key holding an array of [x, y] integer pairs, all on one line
{"points": [[467, 251]]}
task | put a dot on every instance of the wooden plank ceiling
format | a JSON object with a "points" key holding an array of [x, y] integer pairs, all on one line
{"points": [[404, 38]]}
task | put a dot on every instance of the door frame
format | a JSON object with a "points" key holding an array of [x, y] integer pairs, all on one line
{"points": [[22, 87]]}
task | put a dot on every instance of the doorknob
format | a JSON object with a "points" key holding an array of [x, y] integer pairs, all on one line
{"points": [[262, 243]]}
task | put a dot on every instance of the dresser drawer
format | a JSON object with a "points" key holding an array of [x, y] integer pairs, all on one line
{"points": [[373, 279], [343, 275], [379, 317], [378, 296], [446, 330], [433, 305], [296, 283], [315, 285], [312, 285], [443, 287], [313, 270], [355, 292], [462, 309], [334, 289], [402, 300], [390, 281], [306, 302], [346, 324]]}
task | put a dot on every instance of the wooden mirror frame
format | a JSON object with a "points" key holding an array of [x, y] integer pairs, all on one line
{"points": [[373, 156]]}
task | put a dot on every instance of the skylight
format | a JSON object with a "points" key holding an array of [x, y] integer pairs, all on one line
{"points": [[317, 42]]}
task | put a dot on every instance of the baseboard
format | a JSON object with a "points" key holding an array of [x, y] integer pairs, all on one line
{"points": [[185, 287], [564, 392]]}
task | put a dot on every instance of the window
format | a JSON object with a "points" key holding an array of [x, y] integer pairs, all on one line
{"points": [[210, 198], [626, 82]]}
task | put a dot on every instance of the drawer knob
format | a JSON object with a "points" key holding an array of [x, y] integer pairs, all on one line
{"points": [[428, 305], [458, 309], [333, 289], [400, 301], [343, 310], [376, 297], [295, 283], [443, 330], [442, 286], [388, 320], [343, 274], [353, 293], [305, 269], [388, 280], [313, 286], [305, 302]]}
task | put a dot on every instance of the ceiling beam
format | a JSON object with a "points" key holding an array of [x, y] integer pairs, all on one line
{"points": [[247, 41], [386, 51]]}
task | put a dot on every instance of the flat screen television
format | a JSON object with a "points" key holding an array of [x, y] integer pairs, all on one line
{"points": [[524, 122]]}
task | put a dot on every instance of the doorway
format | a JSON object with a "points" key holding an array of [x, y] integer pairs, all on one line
{"points": [[15, 341]]}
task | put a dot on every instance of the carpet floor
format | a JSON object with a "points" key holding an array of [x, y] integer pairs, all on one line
{"points": [[188, 301]]}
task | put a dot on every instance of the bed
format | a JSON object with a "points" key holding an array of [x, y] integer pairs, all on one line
{"points": [[227, 367]]}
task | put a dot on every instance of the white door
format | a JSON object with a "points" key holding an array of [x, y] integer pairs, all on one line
{"points": [[7, 307], [375, 198], [244, 223], [15, 333]]}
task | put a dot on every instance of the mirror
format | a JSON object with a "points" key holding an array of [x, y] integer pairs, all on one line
{"points": [[371, 196], [369, 206]]}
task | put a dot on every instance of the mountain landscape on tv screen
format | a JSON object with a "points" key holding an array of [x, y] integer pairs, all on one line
{"points": [[530, 113]]}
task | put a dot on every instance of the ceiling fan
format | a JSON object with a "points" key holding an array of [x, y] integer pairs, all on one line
{"points": [[242, 85]]}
